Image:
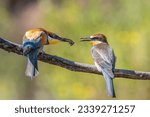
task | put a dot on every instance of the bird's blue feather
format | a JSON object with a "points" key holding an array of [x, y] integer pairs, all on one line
{"points": [[32, 65], [109, 84]]}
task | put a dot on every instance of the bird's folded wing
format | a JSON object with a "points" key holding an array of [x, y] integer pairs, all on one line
{"points": [[104, 59]]}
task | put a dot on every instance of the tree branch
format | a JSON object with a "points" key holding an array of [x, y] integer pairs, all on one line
{"points": [[71, 65]]}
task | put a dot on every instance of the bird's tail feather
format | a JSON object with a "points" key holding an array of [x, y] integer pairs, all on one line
{"points": [[31, 70], [32, 65], [109, 84]]}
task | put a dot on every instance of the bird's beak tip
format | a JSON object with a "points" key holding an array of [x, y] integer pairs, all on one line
{"points": [[71, 43]]}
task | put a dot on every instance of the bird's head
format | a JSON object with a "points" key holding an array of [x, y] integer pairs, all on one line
{"points": [[95, 39], [45, 37]]}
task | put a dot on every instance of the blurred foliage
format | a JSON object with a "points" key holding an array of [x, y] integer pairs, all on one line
{"points": [[125, 23]]}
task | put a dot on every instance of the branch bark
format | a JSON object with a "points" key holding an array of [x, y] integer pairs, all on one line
{"points": [[71, 65]]}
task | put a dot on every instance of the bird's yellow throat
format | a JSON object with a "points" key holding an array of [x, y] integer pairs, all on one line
{"points": [[95, 42], [53, 41]]}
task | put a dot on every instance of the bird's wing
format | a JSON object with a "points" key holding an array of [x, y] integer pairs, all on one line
{"points": [[104, 58]]}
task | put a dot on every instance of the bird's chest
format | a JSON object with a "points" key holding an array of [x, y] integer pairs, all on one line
{"points": [[98, 48]]}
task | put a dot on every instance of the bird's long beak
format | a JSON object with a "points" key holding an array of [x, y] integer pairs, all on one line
{"points": [[85, 39], [66, 40], [56, 39]]}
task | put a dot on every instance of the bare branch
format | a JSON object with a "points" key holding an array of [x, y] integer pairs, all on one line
{"points": [[71, 65]]}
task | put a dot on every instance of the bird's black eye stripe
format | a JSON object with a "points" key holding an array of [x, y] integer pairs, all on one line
{"points": [[94, 38]]}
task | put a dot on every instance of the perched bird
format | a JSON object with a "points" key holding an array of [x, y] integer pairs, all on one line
{"points": [[104, 59], [33, 42]]}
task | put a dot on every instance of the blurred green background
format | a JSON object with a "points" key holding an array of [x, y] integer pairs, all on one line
{"points": [[124, 22]]}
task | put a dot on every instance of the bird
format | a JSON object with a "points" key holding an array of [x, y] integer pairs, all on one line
{"points": [[104, 59], [33, 43]]}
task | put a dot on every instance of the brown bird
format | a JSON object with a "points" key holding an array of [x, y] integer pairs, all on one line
{"points": [[104, 59], [33, 42]]}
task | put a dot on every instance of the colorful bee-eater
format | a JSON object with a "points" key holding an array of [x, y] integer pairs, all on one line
{"points": [[33, 42], [104, 59]]}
